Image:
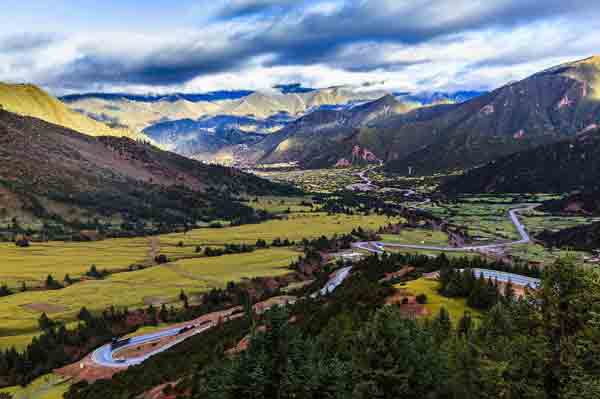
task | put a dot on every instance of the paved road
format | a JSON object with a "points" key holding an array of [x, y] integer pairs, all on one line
{"points": [[104, 355], [334, 282], [505, 277], [378, 247]]}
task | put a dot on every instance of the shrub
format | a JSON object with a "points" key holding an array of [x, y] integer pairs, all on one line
{"points": [[422, 299], [160, 259]]}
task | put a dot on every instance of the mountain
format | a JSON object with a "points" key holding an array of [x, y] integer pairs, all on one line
{"points": [[201, 139], [572, 164], [29, 100], [139, 115], [546, 107], [437, 97], [55, 175], [320, 138], [140, 112]]}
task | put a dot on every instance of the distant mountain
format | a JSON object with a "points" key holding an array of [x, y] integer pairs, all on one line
{"points": [[201, 139], [549, 106], [140, 112], [568, 165], [29, 100], [432, 98], [321, 138], [52, 174]]}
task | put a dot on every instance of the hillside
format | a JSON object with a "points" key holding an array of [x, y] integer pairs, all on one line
{"points": [[560, 167], [546, 107], [324, 137], [29, 100], [202, 138], [580, 238], [585, 203], [55, 175]]}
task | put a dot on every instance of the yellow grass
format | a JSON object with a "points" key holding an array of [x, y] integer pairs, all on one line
{"points": [[455, 306], [33, 264], [296, 227], [29, 100], [157, 284], [49, 386]]}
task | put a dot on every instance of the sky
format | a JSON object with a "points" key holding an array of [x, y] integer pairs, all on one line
{"points": [[165, 46]]}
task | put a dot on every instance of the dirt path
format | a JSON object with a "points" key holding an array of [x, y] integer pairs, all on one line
{"points": [[154, 243]]}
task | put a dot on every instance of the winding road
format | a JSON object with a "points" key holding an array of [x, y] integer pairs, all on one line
{"points": [[378, 247], [107, 356]]}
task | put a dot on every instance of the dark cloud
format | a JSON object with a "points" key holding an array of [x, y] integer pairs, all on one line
{"points": [[321, 38], [25, 42], [243, 8]]}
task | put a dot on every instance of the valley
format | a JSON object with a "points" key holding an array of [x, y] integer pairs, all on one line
{"points": [[176, 225]]}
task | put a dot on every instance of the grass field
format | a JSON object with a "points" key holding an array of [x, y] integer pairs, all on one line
{"points": [[158, 284], [295, 227], [417, 236], [316, 180], [33, 264], [49, 386], [455, 306]]}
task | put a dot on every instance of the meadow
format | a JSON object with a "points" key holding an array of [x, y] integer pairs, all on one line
{"points": [[49, 386], [187, 269], [417, 236], [455, 306]]}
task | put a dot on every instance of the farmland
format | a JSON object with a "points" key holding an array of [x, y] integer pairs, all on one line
{"points": [[158, 284]]}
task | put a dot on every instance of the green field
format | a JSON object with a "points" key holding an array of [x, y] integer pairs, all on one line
{"points": [[417, 236], [455, 306], [295, 227], [316, 180], [33, 264], [49, 386], [188, 270]]}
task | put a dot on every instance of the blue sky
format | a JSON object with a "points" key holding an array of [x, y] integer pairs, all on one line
{"points": [[407, 45]]}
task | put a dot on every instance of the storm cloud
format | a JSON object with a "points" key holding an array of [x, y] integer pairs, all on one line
{"points": [[362, 37]]}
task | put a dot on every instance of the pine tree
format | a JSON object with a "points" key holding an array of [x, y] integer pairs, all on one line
{"points": [[465, 324]]}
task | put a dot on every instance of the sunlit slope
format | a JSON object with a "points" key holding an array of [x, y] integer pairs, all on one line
{"points": [[29, 100]]}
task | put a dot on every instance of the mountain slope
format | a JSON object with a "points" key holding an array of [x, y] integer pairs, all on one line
{"points": [[585, 203], [201, 139], [323, 137], [581, 238], [50, 173], [29, 100], [548, 106], [559, 167]]}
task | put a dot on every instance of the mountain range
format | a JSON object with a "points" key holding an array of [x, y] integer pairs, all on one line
{"points": [[412, 134]]}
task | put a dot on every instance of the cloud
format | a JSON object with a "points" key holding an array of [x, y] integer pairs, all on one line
{"points": [[430, 44], [244, 8], [25, 42]]}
